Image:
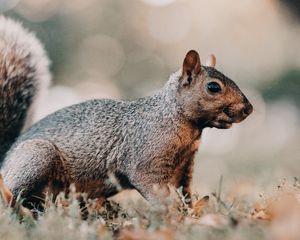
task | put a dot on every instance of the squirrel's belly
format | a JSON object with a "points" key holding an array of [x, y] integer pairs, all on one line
{"points": [[95, 182], [93, 188]]}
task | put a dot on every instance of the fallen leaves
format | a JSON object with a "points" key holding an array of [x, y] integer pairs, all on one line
{"points": [[282, 211], [199, 205], [6, 195], [8, 200], [283, 203], [276, 216]]}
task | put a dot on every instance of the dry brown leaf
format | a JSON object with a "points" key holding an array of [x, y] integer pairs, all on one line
{"points": [[262, 211], [5, 193], [262, 215], [199, 205], [7, 197], [276, 207], [99, 203]]}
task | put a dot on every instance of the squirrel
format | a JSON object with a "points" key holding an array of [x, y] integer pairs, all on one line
{"points": [[142, 143]]}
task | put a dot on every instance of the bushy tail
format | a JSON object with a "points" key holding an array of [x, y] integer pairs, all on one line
{"points": [[24, 74]]}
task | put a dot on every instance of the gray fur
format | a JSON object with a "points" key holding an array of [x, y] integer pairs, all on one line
{"points": [[145, 142], [99, 137]]}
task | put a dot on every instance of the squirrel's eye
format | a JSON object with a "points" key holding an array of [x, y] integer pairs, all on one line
{"points": [[213, 87]]}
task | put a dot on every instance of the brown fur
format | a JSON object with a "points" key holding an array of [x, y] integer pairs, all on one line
{"points": [[7, 196], [104, 146]]}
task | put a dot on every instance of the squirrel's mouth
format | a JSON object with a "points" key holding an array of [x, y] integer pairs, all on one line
{"points": [[221, 124], [227, 117], [224, 121]]}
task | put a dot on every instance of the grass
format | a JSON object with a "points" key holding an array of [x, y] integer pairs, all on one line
{"points": [[275, 215]]}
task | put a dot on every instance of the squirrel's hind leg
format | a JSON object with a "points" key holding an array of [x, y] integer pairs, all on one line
{"points": [[28, 169]]}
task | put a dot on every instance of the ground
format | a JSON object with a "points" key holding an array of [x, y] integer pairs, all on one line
{"points": [[275, 215]]}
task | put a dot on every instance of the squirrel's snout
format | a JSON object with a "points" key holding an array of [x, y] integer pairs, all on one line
{"points": [[248, 109]]}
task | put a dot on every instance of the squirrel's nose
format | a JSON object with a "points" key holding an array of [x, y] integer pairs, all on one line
{"points": [[248, 109]]}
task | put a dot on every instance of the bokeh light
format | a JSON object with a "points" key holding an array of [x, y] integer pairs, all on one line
{"points": [[161, 23], [158, 3], [101, 54], [128, 49], [38, 11], [6, 5]]}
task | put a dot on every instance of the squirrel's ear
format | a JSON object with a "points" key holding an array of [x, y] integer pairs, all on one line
{"points": [[191, 66], [210, 61]]}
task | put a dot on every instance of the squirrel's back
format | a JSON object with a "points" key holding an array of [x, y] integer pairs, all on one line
{"points": [[24, 74], [82, 124]]}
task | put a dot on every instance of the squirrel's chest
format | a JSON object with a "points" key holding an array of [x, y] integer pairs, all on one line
{"points": [[183, 164], [185, 154], [184, 147]]}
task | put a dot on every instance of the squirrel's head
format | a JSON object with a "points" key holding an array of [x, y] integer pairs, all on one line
{"points": [[207, 97]]}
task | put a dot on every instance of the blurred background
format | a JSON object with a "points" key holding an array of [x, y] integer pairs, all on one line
{"points": [[128, 49]]}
